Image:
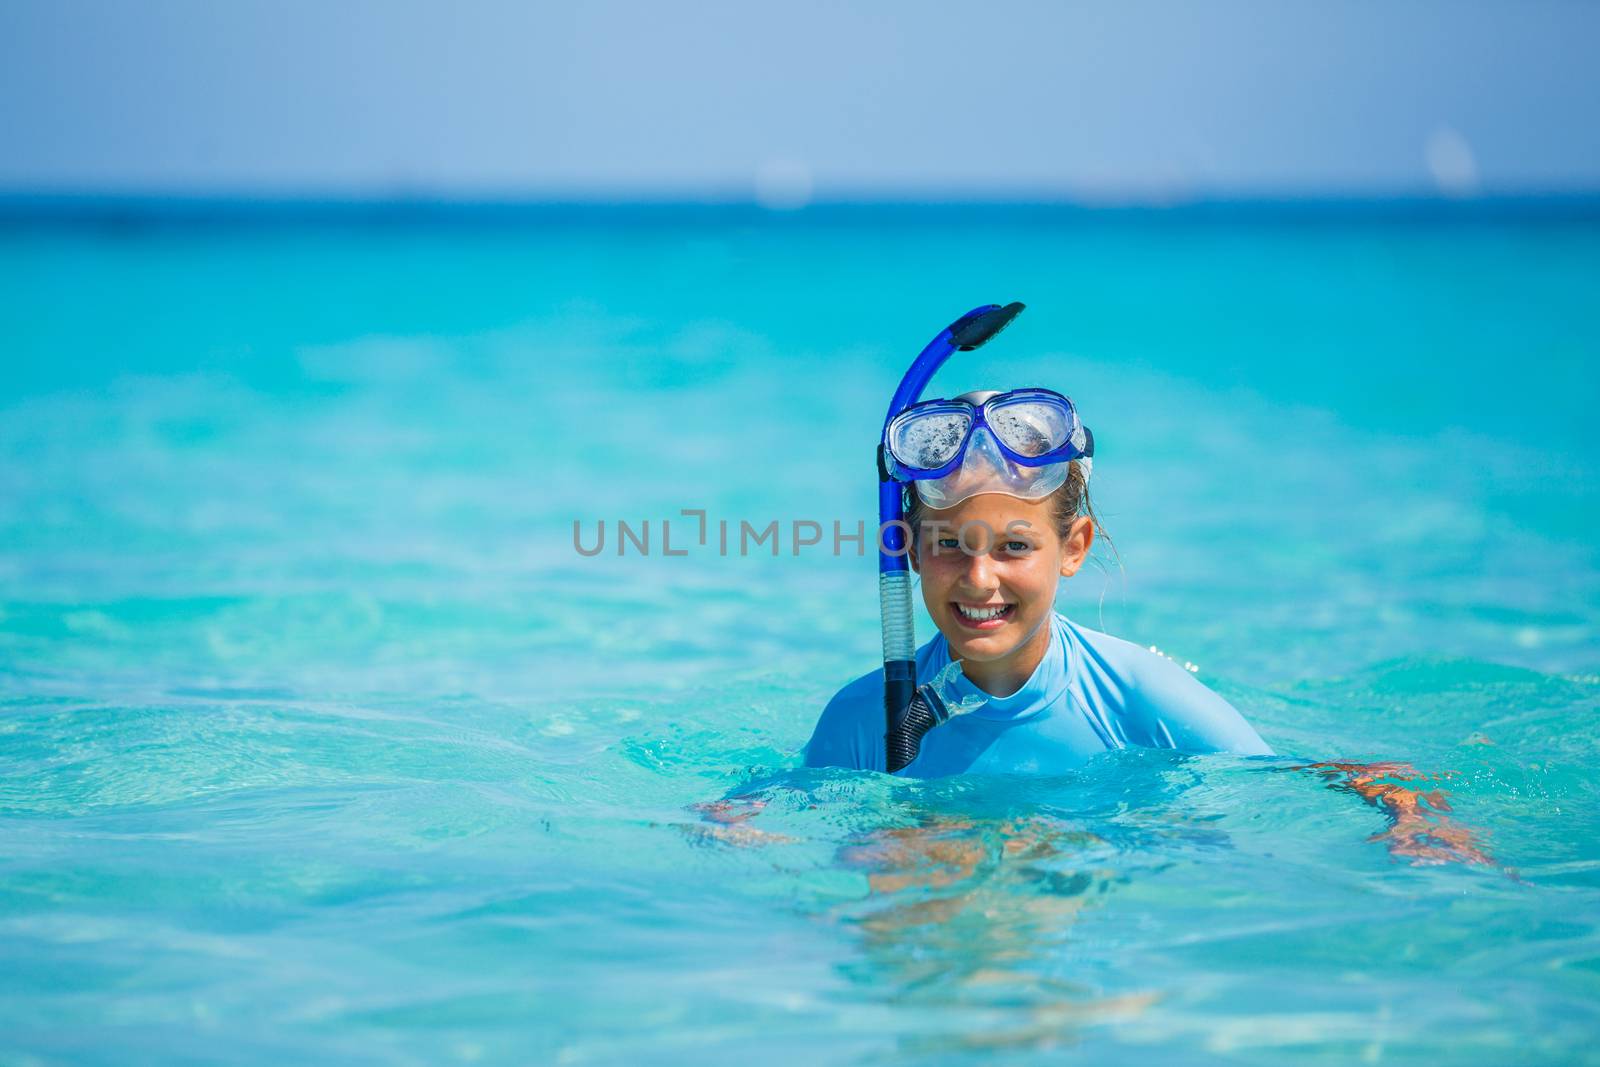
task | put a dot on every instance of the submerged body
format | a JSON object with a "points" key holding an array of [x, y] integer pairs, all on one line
{"points": [[1090, 693]]}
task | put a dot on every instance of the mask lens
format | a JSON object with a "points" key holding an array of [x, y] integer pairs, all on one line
{"points": [[925, 440], [1032, 426]]}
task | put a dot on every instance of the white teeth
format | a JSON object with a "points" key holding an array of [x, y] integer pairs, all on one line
{"points": [[981, 614]]}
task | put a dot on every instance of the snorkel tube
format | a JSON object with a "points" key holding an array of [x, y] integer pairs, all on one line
{"points": [[909, 712]]}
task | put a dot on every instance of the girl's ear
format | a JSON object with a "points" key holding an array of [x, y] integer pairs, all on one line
{"points": [[1075, 546]]}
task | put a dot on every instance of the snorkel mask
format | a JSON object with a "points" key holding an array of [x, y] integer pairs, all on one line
{"points": [[1019, 443]]}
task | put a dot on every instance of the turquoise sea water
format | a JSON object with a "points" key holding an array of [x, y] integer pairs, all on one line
{"points": [[320, 741]]}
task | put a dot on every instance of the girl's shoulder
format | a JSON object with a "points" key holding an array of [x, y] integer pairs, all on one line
{"points": [[1127, 659], [1155, 698], [849, 733]]}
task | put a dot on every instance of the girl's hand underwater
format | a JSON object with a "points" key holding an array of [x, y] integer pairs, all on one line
{"points": [[1422, 831], [727, 821]]}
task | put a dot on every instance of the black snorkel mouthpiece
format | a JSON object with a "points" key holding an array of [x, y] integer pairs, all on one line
{"points": [[903, 742]]}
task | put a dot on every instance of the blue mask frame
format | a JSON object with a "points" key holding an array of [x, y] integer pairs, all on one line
{"points": [[1065, 453]]}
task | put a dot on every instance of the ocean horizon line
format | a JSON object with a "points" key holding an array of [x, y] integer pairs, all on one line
{"points": [[120, 208]]}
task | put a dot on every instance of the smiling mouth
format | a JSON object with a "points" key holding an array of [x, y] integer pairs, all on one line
{"points": [[986, 617]]}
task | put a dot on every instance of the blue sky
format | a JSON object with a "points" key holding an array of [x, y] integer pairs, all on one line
{"points": [[724, 99]]}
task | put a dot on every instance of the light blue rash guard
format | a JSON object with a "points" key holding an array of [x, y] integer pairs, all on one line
{"points": [[1091, 692]]}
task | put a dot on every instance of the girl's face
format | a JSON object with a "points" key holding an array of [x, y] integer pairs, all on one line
{"points": [[989, 570]]}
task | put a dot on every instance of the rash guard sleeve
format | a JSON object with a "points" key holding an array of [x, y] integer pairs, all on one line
{"points": [[1172, 709], [850, 732]]}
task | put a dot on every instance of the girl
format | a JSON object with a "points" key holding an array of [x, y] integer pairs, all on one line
{"points": [[993, 528]]}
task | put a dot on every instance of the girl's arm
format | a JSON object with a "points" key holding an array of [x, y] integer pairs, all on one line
{"points": [[1421, 828]]}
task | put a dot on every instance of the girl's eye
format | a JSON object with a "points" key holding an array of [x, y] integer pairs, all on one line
{"points": [[949, 542], [1017, 548]]}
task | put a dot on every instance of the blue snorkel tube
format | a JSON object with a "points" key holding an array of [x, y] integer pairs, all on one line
{"points": [[909, 712]]}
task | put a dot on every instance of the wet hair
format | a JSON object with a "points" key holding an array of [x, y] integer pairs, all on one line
{"points": [[1067, 504]]}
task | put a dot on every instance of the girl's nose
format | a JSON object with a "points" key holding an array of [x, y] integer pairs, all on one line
{"points": [[979, 572]]}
